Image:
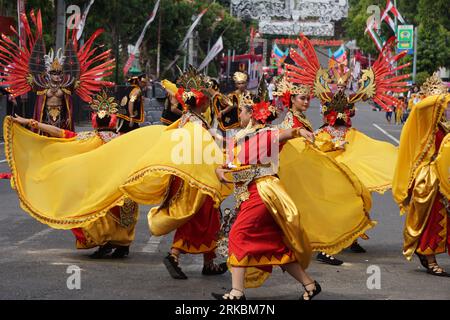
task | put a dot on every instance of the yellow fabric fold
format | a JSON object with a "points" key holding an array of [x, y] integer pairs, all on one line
{"points": [[112, 229], [442, 167], [332, 201], [287, 216], [419, 208], [372, 161], [189, 153], [69, 183], [417, 144]]}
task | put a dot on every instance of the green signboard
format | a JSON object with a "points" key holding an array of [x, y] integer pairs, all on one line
{"points": [[405, 37]]}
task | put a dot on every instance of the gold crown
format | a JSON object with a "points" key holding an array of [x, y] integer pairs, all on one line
{"points": [[433, 86], [240, 77], [104, 105], [284, 86]]}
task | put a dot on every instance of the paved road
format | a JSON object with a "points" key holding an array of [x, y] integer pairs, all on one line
{"points": [[34, 259]]}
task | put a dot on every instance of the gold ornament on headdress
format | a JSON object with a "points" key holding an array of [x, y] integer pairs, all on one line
{"points": [[341, 77], [192, 79], [246, 100], [433, 86], [104, 105], [54, 63], [339, 103], [284, 86], [240, 77]]}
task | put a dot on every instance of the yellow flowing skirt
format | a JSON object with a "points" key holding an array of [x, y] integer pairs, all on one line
{"points": [[332, 201], [372, 161], [69, 183]]}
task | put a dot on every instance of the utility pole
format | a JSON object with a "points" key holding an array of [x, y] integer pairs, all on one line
{"points": [[60, 24]]}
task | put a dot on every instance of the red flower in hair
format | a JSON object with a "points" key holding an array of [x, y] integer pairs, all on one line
{"points": [[261, 111], [179, 97], [200, 98], [286, 99]]}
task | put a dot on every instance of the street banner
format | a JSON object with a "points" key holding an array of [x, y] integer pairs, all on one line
{"points": [[405, 38], [215, 50], [130, 60], [186, 37]]}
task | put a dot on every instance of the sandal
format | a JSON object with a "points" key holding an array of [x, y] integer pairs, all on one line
{"points": [[229, 296], [102, 251], [309, 294], [423, 260], [435, 270], [213, 269], [171, 263]]}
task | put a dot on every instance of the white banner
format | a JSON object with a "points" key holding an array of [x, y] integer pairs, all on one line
{"points": [[215, 50]]}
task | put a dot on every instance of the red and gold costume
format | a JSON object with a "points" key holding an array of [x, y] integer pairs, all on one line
{"points": [[54, 77], [421, 184]]}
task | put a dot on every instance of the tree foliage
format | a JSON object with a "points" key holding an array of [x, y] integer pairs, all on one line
{"points": [[432, 20], [123, 22]]}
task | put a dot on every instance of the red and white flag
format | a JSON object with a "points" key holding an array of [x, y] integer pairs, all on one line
{"points": [[388, 19], [130, 60]]}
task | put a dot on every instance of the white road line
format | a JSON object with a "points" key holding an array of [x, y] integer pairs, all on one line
{"points": [[152, 244], [386, 133], [36, 235], [1, 161], [1, 143]]}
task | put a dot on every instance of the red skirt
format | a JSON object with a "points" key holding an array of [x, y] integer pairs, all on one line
{"points": [[435, 238], [200, 233], [255, 238]]}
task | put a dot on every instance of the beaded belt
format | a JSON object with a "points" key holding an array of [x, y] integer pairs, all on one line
{"points": [[243, 177]]}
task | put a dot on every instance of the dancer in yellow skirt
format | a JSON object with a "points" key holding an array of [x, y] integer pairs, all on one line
{"points": [[116, 229], [421, 183], [370, 160]]}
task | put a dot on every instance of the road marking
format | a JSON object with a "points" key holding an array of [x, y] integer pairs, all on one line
{"points": [[152, 244], [1, 143], [36, 235], [386, 133], [1, 161]]}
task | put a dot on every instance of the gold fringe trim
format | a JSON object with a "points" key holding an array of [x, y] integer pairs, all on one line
{"points": [[26, 206], [250, 261], [187, 247], [380, 189], [430, 141], [139, 176]]}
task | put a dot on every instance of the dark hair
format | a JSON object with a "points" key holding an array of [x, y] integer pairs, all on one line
{"points": [[191, 103], [215, 84], [103, 123]]}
